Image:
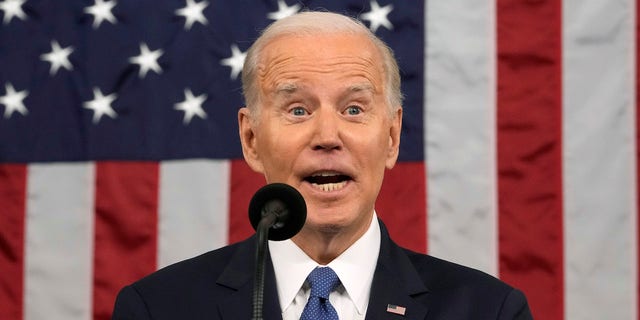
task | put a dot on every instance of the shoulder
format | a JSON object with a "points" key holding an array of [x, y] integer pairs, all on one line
{"points": [[188, 286], [450, 284], [450, 290], [442, 274], [207, 266], [436, 274]]}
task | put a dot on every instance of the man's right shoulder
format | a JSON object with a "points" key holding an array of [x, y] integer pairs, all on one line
{"points": [[189, 289], [205, 267]]}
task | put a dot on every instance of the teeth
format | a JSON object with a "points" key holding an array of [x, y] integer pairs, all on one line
{"points": [[328, 187], [325, 174]]}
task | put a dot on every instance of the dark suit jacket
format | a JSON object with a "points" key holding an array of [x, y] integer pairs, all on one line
{"points": [[219, 285]]}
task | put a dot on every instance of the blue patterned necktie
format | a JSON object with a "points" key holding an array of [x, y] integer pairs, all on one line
{"points": [[322, 280]]}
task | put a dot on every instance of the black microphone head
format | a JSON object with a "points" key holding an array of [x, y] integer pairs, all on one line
{"points": [[286, 203]]}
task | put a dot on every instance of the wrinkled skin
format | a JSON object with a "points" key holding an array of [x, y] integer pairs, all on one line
{"points": [[325, 128]]}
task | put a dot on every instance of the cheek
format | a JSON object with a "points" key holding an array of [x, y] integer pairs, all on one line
{"points": [[368, 156], [380, 149], [278, 153], [377, 142]]}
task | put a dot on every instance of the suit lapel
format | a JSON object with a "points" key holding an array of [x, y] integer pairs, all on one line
{"points": [[238, 276], [396, 283]]}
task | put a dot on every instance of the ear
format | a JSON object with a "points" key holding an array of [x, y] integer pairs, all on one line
{"points": [[394, 138], [248, 140]]}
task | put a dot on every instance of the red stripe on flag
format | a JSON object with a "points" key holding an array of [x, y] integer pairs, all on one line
{"points": [[529, 119], [243, 185], [402, 205], [126, 221], [13, 189]]}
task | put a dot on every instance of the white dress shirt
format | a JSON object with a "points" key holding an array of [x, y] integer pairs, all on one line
{"points": [[354, 267]]}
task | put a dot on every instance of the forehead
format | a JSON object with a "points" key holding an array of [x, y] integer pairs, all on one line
{"points": [[289, 60]]}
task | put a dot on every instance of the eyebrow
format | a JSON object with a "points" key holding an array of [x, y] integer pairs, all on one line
{"points": [[289, 88], [286, 88], [358, 87]]}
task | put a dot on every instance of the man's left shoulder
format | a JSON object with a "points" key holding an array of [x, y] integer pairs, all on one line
{"points": [[452, 284], [442, 274]]}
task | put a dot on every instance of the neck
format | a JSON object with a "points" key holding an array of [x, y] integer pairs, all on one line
{"points": [[325, 244]]}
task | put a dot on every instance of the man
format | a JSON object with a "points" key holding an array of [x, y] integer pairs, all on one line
{"points": [[324, 116]]}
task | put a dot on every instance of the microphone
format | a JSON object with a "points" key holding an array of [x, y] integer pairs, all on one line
{"points": [[283, 208], [277, 212]]}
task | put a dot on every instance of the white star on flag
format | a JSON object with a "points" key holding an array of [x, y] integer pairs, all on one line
{"points": [[378, 16], [192, 12], [236, 61], [148, 60], [101, 11], [101, 105], [192, 106], [58, 57], [283, 11], [12, 8], [12, 101]]}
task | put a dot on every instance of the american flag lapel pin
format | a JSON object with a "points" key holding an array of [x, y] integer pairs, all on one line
{"points": [[392, 308]]}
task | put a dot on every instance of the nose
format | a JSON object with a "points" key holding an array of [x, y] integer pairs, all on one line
{"points": [[327, 131]]}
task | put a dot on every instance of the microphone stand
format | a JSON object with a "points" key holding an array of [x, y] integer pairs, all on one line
{"points": [[262, 234], [270, 208]]}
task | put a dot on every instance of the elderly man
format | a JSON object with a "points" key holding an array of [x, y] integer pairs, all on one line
{"points": [[324, 116]]}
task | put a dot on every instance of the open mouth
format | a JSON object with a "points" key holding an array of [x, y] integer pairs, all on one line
{"points": [[328, 181]]}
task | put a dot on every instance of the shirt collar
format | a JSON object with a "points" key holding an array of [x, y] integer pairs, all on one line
{"points": [[354, 267]]}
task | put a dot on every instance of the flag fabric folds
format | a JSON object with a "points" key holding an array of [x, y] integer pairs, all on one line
{"points": [[119, 151]]}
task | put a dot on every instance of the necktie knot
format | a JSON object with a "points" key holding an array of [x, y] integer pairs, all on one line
{"points": [[322, 280]]}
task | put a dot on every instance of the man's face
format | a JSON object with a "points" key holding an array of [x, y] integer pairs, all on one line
{"points": [[324, 126]]}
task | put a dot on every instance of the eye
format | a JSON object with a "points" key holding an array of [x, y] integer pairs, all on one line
{"points": [[353, 110], [298, 111]]}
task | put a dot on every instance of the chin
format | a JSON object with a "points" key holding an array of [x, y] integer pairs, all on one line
{"points": [[330, 228], [328, 222]]}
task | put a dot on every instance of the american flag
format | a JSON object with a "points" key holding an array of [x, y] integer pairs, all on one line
{"points": [[391, 308], [119, 151]]}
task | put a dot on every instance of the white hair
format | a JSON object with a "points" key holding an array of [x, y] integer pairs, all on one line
{"points": [[313, 23]]}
